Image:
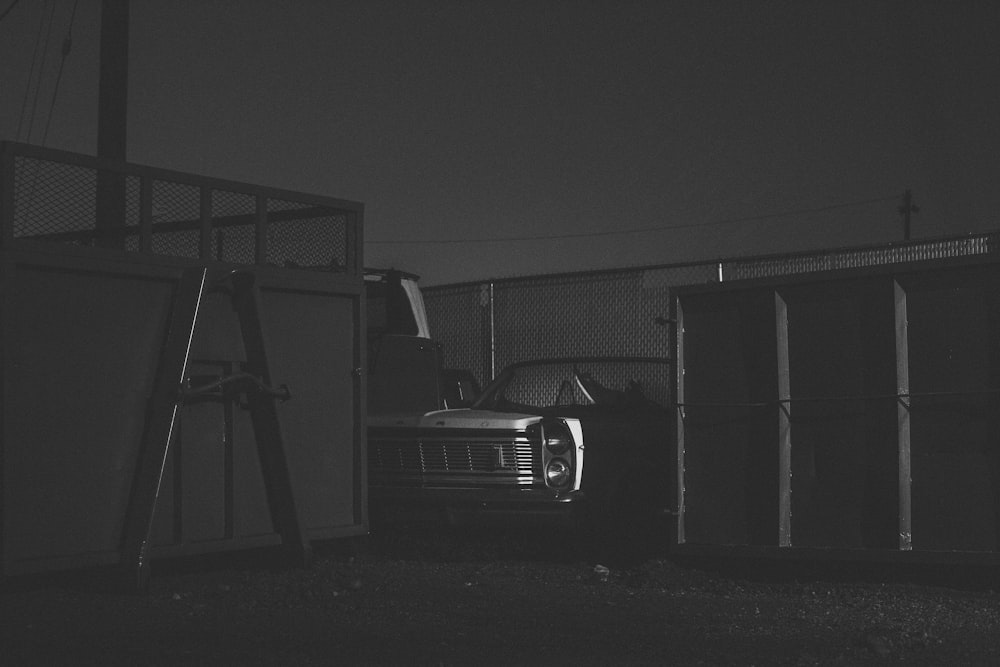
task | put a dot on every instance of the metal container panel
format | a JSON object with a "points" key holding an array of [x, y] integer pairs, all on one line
{"points": [[314, 336], [81, 342], [953, 362], [215, 489], [96, 314], [843, 454], [729, 443], [889, 414]]}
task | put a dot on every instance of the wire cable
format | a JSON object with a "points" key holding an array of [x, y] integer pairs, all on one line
{"points": [[41, 69], [643, 230], [31, 75], [7, 11], [66, 47]]}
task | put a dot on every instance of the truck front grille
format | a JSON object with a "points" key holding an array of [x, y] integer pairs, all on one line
{"points": [[505, 459]]}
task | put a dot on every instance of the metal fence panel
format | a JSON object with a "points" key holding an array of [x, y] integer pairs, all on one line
{"points": [[484, 326], [56, 198], [569, 315], [460, 318]]}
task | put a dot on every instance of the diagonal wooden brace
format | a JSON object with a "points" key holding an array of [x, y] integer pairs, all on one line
{"points": [[267, 427]]}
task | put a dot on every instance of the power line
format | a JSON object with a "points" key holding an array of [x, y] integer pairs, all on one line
{"points": [[66, 47], [7, 11], [31, 75], [643, 230], [41, 70]]}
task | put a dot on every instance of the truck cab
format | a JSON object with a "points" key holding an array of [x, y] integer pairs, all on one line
{"points": [[406, 374]]}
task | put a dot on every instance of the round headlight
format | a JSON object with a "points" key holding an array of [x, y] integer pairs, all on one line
{"points": [[558, 473], [557, 438], [559, 444]]}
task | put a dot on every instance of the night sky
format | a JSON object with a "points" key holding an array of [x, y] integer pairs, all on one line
{"points": [[700, 123]]}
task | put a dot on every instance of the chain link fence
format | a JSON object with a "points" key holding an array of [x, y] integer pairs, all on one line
{"points": [[485, 326], [68, 199]]}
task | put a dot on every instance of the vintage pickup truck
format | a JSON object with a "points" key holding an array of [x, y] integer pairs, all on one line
{"points": [[546, 439]]}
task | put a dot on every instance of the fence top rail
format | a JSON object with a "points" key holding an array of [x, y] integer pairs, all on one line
{"points": [[13, 148], [943, 243], [901, 270], [590, 359]]}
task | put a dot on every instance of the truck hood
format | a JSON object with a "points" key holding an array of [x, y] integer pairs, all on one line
{"points": [[462, 418]]}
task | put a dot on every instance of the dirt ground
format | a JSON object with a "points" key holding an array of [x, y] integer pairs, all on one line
{"points": [[496, 598]]}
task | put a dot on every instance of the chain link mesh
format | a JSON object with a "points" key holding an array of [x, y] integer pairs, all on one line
{"points": [[58, 202], [76, 201], [235, 238], [52, 198], [460, 318], [301, 235], [545, 385], [851, 258], [176, 205], [620, 313], [571, 315], [623, 313]]}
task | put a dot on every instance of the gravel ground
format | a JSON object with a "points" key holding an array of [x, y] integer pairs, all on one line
{"points": [[494, 598]]}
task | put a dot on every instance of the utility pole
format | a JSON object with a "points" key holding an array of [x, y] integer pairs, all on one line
{"points": [[905, 210], [112, 115], [113, 85]]}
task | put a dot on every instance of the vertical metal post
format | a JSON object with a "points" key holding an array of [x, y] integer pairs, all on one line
{"points": [[361, 405], [6, 195], [205, 212], [903, 417], [146, 215], [159, 428], [906, 209], [112, 101], [112, 120], [7, 269], [229, 459], [679, 399], [355, 242], [355, 269], [784, 424], [493, 335], [260, 231], [907, 204]]}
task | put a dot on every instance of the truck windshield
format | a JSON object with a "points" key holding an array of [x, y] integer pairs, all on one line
{"points": [[542, 385]]}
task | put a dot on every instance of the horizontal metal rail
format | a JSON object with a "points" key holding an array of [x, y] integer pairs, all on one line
{"points": [[836, 399], [218, 222], [187, 390]]}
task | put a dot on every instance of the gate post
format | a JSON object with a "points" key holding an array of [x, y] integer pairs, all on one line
{"points": [[903, 417]]}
